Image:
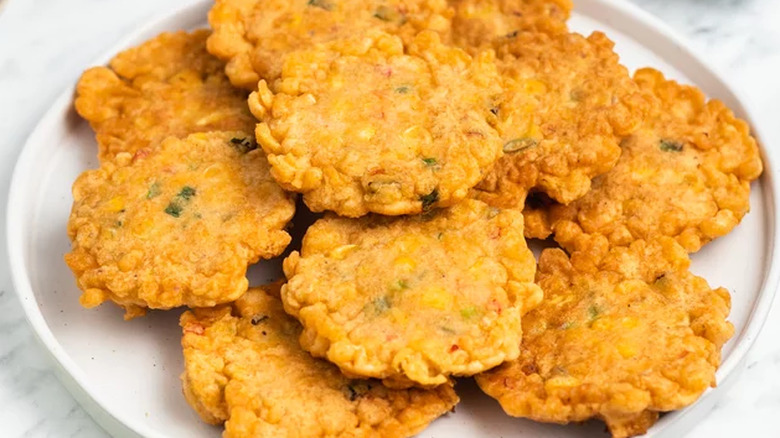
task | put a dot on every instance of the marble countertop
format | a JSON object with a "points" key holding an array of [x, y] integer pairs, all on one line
{"points": [[44, 45]]}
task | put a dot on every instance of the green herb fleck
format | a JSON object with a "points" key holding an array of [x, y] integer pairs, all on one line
{"points": [[322, 4], [243, 145], [381, 305], [399, 285], [186, 193], [439, 236], [519, 144], [512, 34], [154, 191], [469, 312], [449, 330], [119, 224], [429, 200], [176, 206], [594, 312], [671, 146], [386, 13], [403, 89], [174, 209], [430, 162]]}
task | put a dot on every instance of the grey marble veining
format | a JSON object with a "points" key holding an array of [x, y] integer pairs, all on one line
{"points": [[45, 43]]}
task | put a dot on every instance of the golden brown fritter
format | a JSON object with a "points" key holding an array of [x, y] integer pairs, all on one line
{"points": [[168, 86], [685, 174], [479, 24], [416, 299], [254, 36], [244, 367], [632, 336], [567, 104], [176, 225], [358, 125]]}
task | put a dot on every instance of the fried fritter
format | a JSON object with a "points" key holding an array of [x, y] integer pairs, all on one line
{"points": [[244, 367], [634, 336], [358, 125], [685, 174], [176, 225], [168, 86], [416, 299], [567, 104], [254, 36], [479, 24]]}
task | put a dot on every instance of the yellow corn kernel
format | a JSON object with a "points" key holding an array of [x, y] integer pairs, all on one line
{"points": [[602, 324], [142, 227], [213, 117], [436, 298], [367, 133], [187, 77], [405, 263], [561, 382], [626, 350], [534, 86], [115, 204], [410, 242], [643, 173], [534, 132], [630, 322], [399, 317], [342, 251]]}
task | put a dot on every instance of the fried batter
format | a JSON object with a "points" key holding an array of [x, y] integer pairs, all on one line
{"points": [[359, 126], [176, 225], [685, 174], [622, 341], [244, 367], [416, 299], [168, 86], [479, 24], [254, 36], [567, 104]]}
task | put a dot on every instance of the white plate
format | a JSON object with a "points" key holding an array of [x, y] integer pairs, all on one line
{"points": [[126, 373]]}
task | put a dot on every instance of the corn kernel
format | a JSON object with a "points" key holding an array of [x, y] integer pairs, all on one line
{"points": [[342, 251], [436, 298], [626, 350], [405, 263], [115, 204], [534, 86]]}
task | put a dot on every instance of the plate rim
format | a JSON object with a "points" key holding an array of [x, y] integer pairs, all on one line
{"points": [[72, 376]]}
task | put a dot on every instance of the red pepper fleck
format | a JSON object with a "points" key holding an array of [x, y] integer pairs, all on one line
{"points": [[495, 306], [475, 134], [376, 171], [141, 153], [454, 348]]}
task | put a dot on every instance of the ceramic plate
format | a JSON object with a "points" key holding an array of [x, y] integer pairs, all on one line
{"points": [[126, 374]]}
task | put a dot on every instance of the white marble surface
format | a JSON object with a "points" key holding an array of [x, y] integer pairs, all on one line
{"points": [[45, 43]]}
